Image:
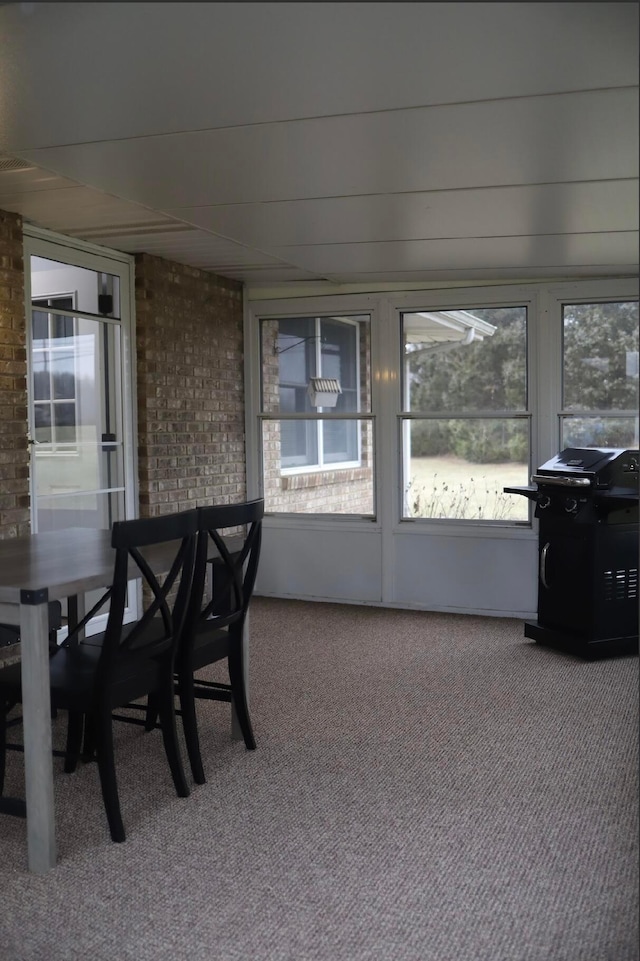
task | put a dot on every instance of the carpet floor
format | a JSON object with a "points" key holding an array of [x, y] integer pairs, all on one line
{"points": [[426, 787]]}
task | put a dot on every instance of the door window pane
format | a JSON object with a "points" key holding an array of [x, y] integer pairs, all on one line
{"points": [[77, 427]]}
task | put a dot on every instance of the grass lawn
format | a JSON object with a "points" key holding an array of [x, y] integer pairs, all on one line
{"points": [[452, 487]]}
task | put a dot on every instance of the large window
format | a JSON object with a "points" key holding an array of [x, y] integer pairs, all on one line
{"points": [[600, 375], [465, 421], [317, 430], [317, 347]]}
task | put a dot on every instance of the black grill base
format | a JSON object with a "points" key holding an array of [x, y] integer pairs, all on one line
{"points": [[589, 649]]}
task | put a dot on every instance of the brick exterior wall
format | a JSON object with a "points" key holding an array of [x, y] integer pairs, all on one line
{"points": [[14, 449], [190, 387]]}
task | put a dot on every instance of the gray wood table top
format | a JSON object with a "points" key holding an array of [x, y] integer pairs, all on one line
{"points": [[62, 562]]}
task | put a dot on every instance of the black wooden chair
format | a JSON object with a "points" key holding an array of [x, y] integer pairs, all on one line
{"points": [[127, 662], [10, 633], [213, 629]]}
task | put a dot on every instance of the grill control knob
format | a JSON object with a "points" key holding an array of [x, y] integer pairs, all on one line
{"points": [[571, 505], [543, 501]]}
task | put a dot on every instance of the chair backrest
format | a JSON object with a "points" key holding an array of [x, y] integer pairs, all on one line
{"points": [[234, 558], [159, 551]]}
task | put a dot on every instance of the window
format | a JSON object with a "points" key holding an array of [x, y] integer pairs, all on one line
{"points": [[465, 421], [600, 375], [54, 376], [317, 347], [317, 457]]}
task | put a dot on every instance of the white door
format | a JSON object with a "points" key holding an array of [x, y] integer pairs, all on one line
{"points": [[78, 324]]}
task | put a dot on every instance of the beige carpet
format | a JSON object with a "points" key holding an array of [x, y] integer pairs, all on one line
{"points": [[427, 787]]}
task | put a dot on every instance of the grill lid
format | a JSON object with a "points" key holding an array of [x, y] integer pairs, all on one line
{"points": [[589, 467]]}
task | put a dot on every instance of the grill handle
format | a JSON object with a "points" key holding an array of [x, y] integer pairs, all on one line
{"points": [[561, 481], [543, 565]]}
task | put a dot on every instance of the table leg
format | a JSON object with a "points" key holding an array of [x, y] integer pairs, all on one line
{"points": [[36, 718]]}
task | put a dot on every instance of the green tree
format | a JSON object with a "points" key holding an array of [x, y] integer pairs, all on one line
{"points": [[600, 373], [484, 375]]}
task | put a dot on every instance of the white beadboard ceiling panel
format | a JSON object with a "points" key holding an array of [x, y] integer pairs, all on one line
{"points": [[122, 69], [539, 140], [579, 250], [205, 251], [545, 208], [480, 276], [80, 210], [280, 143]]}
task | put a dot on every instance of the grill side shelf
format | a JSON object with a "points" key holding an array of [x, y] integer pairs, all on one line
{"points": [[530, 492]]}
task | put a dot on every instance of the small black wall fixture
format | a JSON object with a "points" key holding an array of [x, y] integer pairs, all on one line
{"points": [[283, 350]]}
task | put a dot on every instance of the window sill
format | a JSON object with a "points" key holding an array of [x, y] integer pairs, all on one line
{"points": [[323, 478]]}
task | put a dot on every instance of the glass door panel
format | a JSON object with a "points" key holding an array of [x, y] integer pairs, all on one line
{"points": [[77, 437]]}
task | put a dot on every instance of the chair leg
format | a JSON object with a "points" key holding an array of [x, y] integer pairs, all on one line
{"points": [[106, 768], [239, 693], [186, 691], [151, 715], [89, 740], [75, 727], [166, 707], [4, 710]]}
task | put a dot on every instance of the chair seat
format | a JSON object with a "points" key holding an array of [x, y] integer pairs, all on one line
{"points": [[208, 646], [73, 678]]}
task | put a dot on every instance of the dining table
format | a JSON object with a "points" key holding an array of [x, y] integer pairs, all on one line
{"points": [[36, 569]]}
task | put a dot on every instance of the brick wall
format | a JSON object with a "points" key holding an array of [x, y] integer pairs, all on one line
{"points": [[14, 449], [190, 387]]}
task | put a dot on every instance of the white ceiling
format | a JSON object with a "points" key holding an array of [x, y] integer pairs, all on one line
{"points": [[350, 143]]}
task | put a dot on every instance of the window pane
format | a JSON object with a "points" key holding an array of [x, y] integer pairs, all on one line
{"points": [[61, 326], [600, 432], [96, 510], [465, 360], [42, 423], [63, 370], [340, 441], [40, 327], [294, 349], [600, 356], [331, 489], [296, 355], [89, 291], [299, 443], [41, 376], [457, 468]]}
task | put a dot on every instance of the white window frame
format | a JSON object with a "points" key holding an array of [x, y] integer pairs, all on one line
{"points": [[543, 300], [321, 466]]}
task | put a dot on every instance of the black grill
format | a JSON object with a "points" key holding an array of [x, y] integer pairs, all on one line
{"points": [[587, 505]]}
